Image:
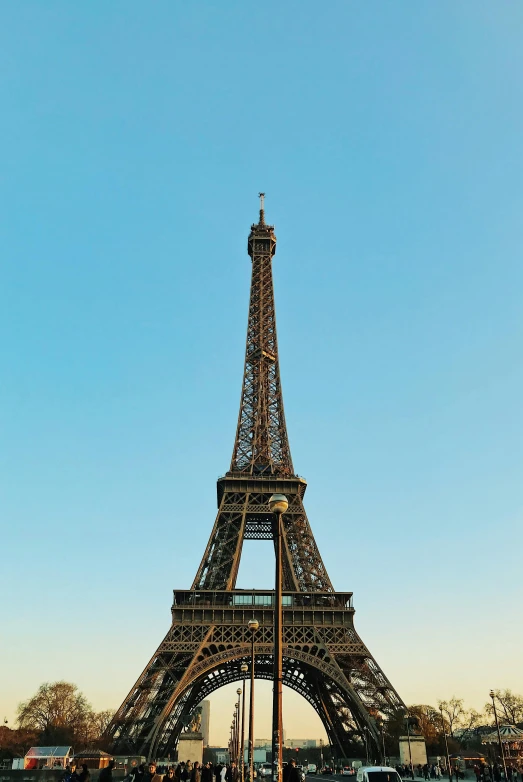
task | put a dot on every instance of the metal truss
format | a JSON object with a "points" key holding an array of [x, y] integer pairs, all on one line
{"points": [[243, 514], [262, 445], [324, 658]]}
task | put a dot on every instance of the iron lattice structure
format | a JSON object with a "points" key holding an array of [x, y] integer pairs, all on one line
{"points": [[324, 659]]}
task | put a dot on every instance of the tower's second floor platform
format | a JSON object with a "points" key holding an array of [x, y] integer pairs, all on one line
{"points": [[239, 605]]}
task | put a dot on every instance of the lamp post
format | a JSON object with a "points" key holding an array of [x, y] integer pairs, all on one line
{"points": [[234, 737], [237, 715], [253, 625], [278, 504], [493, 696], [244, 668], [410, 748], [384, 755], [446, 742], [366, 738]]}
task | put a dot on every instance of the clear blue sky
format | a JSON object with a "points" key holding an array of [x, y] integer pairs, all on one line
{"points": [[135, 138]]}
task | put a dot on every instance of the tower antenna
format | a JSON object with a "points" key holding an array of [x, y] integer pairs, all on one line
{"points": [[262, 208]]}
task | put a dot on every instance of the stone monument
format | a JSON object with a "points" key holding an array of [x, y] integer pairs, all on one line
{"points": [[190, 742], [416, 747]]}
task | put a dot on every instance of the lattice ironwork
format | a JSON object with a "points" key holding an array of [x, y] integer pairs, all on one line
{"points": [[262, 445], [324, 658]]}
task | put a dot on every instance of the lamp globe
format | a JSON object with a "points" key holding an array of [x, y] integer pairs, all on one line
{"points": [[278, 503]]}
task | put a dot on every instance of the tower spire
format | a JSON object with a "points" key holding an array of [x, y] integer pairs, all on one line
{"points": [[262, 445], [262, 208]]}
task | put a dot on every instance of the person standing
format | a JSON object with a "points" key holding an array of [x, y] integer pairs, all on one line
{"points": [[196, 773], [169, 777], [84, 775], [232, 774], [69, 771], [207, 773], [106, 774], [151, 775], [290, 772]]}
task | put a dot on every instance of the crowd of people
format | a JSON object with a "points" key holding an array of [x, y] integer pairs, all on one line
{"points": [[198, 772], [483, 772], [76, 772], [428, 771], [184, 772], [207, 772], [495, 773]]}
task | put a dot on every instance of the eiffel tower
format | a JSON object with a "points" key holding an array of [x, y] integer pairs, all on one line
{"points": [[324, 659]]}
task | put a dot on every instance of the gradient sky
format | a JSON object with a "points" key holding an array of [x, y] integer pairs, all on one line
{"points": [[135, 138]]}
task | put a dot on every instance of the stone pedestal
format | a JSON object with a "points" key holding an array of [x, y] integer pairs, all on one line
{"points": [[417, 747], [190, 747]]}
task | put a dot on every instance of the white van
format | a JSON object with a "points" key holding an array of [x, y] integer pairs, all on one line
{"points": [[377, 774], [311, 768]]}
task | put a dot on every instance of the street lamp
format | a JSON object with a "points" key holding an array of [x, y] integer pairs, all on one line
{"points": [[410, 748], [278, 504], [366, 737], [244, 668], [253, 625], [234, 736], [384, 755], [446, 742], [237, 715], [493, 696]]}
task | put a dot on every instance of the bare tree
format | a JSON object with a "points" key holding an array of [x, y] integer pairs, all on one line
{"points": [[60, 712], [508, 705], [470, 719], [453, 711], [95, 727]]}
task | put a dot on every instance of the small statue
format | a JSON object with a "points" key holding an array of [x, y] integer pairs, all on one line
{"points": [[195, 723]]}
